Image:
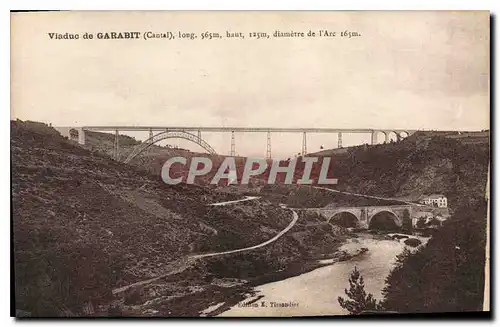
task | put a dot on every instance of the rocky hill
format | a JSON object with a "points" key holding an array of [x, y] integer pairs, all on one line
{"points": [[85, 224], [416, 166]]}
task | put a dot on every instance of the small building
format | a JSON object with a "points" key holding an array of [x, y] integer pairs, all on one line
{"points": [[435, 200]]}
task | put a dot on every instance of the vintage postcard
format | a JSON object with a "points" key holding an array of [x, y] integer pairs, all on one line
{"points": [[250, 164]]}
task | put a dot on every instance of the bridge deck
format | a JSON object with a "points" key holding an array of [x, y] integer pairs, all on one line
{"points": [[240, 129], [395, 206]]}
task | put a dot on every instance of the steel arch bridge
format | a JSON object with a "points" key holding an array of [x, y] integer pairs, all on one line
{"points": [[169, 135]]}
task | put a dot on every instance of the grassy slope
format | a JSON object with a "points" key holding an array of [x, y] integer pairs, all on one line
{"points": [[414, 167], [447, 275], [84, 223], [408, 169]]}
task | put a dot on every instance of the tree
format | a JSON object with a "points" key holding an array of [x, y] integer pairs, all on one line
{"points": [[358, 300], [445, 275], [421, 222], [407, 223]]}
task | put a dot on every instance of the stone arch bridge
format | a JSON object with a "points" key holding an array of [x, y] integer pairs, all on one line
{"points": [[365, 215]]}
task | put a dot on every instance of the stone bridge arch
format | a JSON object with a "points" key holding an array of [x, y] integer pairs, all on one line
{"points": [[345, 218], [365, 215], [403, 134], [384, 217], [388, 135]]}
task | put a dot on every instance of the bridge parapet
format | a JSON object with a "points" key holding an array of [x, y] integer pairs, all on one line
{"points": [[364, 215]]}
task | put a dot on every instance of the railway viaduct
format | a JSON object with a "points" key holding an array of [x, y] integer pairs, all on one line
{"points": [[194, 134]]}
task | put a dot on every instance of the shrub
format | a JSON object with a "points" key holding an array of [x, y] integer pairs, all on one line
{"points": [[413, 242]]}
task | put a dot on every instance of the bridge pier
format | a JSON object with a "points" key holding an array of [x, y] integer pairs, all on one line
{"points": [[268, 146], [233, 145], [304, 144], [340, 140], [81, 136], [363, 221], [374, 137], [363, 224]]}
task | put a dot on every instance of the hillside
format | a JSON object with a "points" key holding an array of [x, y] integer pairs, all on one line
{"points": [[85, 224], [404, 170], [447, 275], [414, 167], [477, 137]]}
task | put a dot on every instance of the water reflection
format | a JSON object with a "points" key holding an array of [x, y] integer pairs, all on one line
{"points": [[316, 292]]}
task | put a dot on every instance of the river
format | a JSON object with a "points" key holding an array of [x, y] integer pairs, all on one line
{"points": [[315, 293]]}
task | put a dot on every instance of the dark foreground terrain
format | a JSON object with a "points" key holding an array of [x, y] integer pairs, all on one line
{"points": [[95, 237], [85, 225]]}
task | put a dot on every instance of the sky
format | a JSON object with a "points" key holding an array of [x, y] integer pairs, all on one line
{"points": [[407, 70]]}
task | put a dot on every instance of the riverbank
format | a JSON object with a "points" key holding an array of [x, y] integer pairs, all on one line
{"points": [[197, 292], [315, 292], [250, 296], [211, 280]]}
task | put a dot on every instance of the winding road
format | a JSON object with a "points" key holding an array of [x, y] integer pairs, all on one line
{"points": [[183, 263], [368, 196], [287, 228], [247, 198]]}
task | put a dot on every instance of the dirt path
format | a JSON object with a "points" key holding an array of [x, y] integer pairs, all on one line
{"points": [[247, 198], [182, 264], [367, 196], [287, 228]]}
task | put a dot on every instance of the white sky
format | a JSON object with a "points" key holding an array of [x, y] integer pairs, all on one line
{"points": [[415, 70]]}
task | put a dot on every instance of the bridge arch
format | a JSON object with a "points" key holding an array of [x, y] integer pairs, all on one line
{"points": [[385, 220], [169, 135], [392, 136], [403, 135], [344, 219], [379, 137]]}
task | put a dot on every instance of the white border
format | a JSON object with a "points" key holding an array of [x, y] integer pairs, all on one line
{"points": [[255, 5]]}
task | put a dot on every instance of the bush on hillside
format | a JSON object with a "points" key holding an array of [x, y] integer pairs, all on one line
{"points": [[446, 275]]}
